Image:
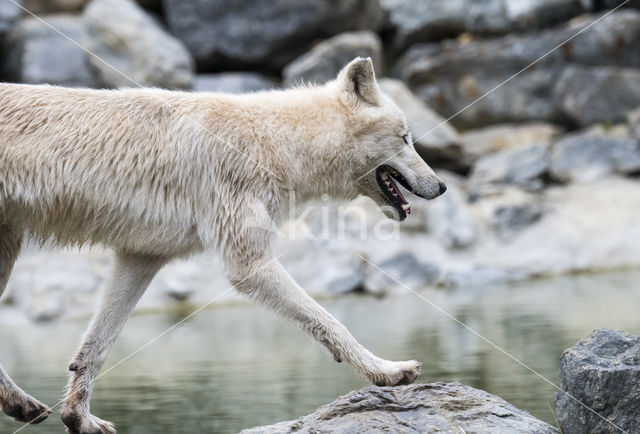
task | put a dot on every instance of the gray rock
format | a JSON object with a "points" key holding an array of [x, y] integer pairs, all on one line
{"points": [[522, 166], [597, 94], [435, 139], [451, 77], [603, 372], [46, 307], [435, 407], [482, 141], [254, 32], [510, 219], [124, 36], [53, 6], [233, 82], [352, 282], [9, 13], [448, 218], [405, 268], [476, 277], [38, 54], [589, 155], [326, 59], [431, 20], [634, 123]]}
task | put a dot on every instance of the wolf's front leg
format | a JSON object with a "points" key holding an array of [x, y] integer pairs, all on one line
{"points": [[267, 281], [132, 275]]}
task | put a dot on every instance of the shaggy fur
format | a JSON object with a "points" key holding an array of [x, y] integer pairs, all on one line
{"points": [[157, 175]]}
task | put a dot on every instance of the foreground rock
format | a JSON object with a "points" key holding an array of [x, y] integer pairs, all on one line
{"points": [[255, 32], [569, 86], [135, 50], [436, 407], [603, 372]]}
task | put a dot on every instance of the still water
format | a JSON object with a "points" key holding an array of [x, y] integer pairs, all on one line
{"points": [[233, 367]]}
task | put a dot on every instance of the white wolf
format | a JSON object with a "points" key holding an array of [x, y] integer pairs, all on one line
{"points": [[158, 175]]}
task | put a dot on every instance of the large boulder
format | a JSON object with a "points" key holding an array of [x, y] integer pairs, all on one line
{"points": [[591, 154], [233, 82], [600, 384], [587, 95], [223, 34], [479, 142], [132, 49], [468, 79], [435, 139], [36, 53], [430, 20], [325, 60], [522, 166], [435, 407]]}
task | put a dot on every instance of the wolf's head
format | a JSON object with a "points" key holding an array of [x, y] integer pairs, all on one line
{"points": [[384, 157]]}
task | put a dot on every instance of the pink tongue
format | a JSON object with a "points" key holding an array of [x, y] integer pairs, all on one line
{"points": [[397, 190]]}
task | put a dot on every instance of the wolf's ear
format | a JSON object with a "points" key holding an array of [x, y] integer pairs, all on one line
{"points": [[359, 81]]}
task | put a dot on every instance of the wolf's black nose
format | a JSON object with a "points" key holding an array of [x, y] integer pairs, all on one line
{"points": [[443, 187]]}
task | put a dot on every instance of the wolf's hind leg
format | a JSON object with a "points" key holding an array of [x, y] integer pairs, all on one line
{"points": [[132, 275], [13, 400]]}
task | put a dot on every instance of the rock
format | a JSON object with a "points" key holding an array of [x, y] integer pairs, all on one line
{"points": [[535, 14], [51, 6], [513, 218], [123, 35], [522, 166], [475, 277], [432, 20], [403, 267], [588, 155], [233, 82], [257, 33], [448, 219], [603, 372], [326, 59], [634, 124], [452, 77], [38, 54], [598, 94], [45, 307], [435, 139], [9, 13], [479, 142], [435, 407]]}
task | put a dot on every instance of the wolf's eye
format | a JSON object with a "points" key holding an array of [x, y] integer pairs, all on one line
{"points": [[406, 139]]}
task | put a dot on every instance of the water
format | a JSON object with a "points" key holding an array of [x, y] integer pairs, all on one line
{"points": [[234, 367]]}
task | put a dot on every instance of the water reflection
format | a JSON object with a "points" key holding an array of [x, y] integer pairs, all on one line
{"points": [[235, 367]]}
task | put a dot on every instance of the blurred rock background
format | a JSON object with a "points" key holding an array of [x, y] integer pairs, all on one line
{"points": [[542, 162]]}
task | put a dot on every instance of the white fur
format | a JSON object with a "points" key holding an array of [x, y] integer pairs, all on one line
{"points": [[157, 174]]}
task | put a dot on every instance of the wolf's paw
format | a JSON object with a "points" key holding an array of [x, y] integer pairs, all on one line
{"points": [[396, 373], [78, 423], [25, 408]]}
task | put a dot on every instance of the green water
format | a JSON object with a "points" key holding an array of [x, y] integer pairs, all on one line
{"points": [[234, 367]]}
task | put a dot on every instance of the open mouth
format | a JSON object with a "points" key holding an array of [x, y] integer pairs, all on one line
{"points": [[388, 179]]}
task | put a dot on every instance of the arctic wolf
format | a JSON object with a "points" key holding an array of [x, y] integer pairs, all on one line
{"points": [[158, 175]]}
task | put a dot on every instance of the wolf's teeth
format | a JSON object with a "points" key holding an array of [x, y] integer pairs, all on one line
{"points": [[384, 176], [395, 194], [388, 183], [405, 207]]}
